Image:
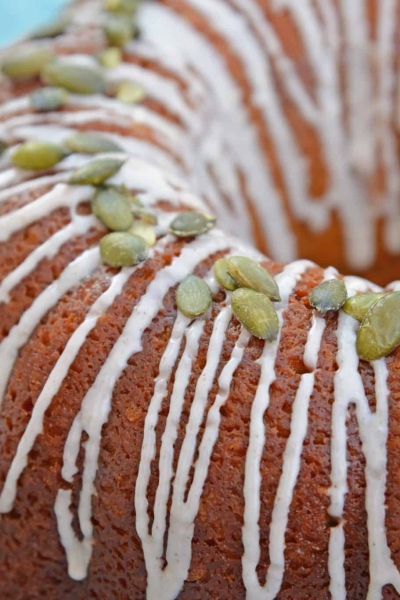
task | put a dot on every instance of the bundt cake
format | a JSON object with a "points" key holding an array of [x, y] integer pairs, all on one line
{"points": [[181, 417]]}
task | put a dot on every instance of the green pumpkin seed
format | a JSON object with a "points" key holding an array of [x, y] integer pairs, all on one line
{"points": [[193, 296], [51, 30], [97, 171], [35, 156], [3, 146], [129, 92], [91, 143], [119, 29], [127, 6], [359, 305], [121, 249], [191, 224], [145, 231], [131, 198], [112, 209], [329, 295], [256, 312], [145, 215], [110, 57], [250, 274], [49, 98], [26, 63], [379, 333], [222, 275], [74, 78]]}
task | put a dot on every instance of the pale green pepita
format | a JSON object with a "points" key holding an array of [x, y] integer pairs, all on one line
{"points": [[359, 305], [74, 78], [132, 199], [97, 171], [248, 273], [129, 92], [49, 98], [329, 295], [53, 29], [112, 209], [191, 224], [91, 143], [121, 249], [127, 6], [256, 313], [35, 156], [144, 215], [193, 296], [222, 275], [3, 146], [119, 29], [144, 230], [379, 333], [26, 63], [110, 57]]}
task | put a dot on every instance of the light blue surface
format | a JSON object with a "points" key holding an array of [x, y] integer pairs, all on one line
{"points": [[18, 17]]}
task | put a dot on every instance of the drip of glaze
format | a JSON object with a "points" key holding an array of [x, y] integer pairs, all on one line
{"points": [[57, 376], [373, 431], [287, 281], [97, 403], [78, 226], [73, 275]]}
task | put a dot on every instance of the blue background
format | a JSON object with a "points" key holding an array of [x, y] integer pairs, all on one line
{"points": [[17, 17]]}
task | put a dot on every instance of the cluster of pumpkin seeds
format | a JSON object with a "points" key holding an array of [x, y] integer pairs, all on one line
{"points": [[253, 291], [132, 226], [378, 314], [62, 76]]}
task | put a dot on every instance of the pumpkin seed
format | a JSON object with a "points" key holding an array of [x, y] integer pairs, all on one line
{"points": [[191, 223], [132, 199], [51, 30], [35, 156], [379, 333], [26, 63], [127, 6], [145, 231], [49, 98], [91, 143], [250, 274], [329, 295], [97, 171], [256, 312], [145, 215], [121, 249], [119, 29], [3, 146], [222, 275], [193, 296], [130, 92], [110, 57], [112, 209], [74, 78], [359, 305]]}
